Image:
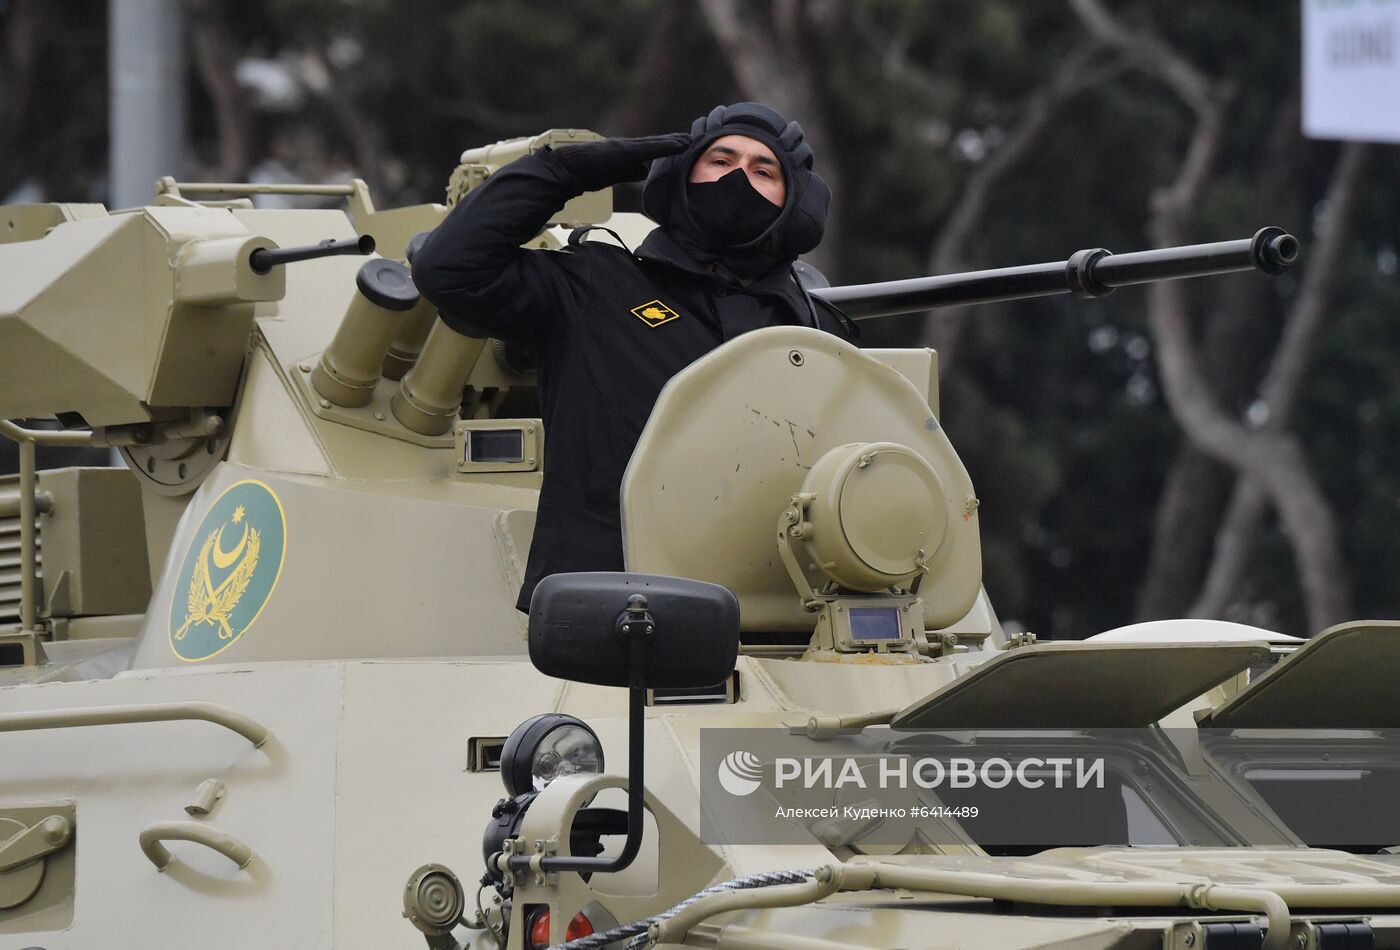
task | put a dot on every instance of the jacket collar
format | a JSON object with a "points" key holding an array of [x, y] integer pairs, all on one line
{"points": [[661, 246]]}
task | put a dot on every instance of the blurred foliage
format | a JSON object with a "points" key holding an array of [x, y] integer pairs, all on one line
{"points": [[1054, 404]]}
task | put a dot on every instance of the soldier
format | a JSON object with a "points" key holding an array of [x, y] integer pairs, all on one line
{"points": [[736, 200]]}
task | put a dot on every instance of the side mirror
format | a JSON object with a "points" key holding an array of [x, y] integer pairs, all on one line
{"points": [[576, 629], [642, 631]]}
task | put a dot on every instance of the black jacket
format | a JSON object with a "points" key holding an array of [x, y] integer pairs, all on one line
{"points": [[609, 329]]}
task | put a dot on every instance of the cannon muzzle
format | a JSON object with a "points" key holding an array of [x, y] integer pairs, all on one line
{"points": [[1094, 272], [264, 259]]}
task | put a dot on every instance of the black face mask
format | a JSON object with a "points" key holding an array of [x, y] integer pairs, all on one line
{"points": [[730, 211]]}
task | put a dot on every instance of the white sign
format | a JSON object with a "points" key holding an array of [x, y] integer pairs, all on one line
{"points": [[1351, 69]]}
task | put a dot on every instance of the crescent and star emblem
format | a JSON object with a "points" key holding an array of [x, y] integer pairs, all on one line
{"points": [[212, 603]]}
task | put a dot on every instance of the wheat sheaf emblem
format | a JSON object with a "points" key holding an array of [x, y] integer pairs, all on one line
{"points": [[210, 603]]}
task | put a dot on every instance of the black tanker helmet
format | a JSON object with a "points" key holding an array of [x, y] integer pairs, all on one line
{"points": [[799, 225]]}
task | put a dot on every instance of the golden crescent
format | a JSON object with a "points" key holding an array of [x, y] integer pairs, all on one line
{"points": [[222, 560]]}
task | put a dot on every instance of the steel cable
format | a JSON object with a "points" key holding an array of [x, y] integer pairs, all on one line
{"points": [[638, 929]]}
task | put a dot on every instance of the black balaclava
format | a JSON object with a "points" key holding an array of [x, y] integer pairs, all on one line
{"points": [[730, 210], [728, 222]]}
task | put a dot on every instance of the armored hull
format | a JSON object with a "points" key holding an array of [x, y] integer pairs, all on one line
{"points": [[263, 687]]}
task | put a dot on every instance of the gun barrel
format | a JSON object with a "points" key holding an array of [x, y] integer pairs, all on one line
{"points": [[1089, 273], [264, 259]]}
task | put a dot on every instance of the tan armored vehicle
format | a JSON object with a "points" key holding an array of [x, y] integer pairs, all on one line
{"points": [[265, 686]]}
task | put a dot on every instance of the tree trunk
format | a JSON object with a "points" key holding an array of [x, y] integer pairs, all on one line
{"points": [[1196, 491], [364, 136], [1081, 69], [1271, 456], [217, 63], [640, 113], [24, 26], [1236, 337], [1278, 403]]}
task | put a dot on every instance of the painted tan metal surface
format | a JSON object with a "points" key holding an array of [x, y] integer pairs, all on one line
{"points": [[1078, 686], [94, 543], [734, 436], [334, 577], [1340, 679], [181, 289], [29, 222]]}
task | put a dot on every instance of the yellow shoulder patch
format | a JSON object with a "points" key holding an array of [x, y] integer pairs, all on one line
{"points": [[654, 313]]}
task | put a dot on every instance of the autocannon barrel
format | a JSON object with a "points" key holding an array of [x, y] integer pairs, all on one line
{"points": [[1088, 273], [264, 259]]}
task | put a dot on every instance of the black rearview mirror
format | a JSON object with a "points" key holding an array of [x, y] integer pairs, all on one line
{"points": [[575, 629]]}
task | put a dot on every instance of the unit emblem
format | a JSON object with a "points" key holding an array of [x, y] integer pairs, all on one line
{"points": [[227, 579], [655, 313]]}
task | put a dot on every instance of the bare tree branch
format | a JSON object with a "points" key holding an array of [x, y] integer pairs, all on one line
{"points": [[1192, 506], [1273, 458], [1234, 543], [1082, 69], [216, 63], [1151, 54], [828, 17], [1192, 502], [892, 50], [1283, 385]]}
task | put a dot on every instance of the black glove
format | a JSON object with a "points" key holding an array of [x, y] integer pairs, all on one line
{"points": [[596, 165]]}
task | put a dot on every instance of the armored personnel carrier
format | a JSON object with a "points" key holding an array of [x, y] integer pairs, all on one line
{"points": [[265, 685]]}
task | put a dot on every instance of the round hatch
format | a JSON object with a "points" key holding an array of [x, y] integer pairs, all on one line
{"points": [[879, 515]]}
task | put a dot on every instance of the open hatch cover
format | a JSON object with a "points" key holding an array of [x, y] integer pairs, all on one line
{"points": [[1080, 686], [1343, 678]]}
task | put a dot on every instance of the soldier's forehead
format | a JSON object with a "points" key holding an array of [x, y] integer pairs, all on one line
{"points": [[743, 145]]}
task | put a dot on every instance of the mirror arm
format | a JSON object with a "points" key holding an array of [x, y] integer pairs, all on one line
{"points": [[636, 625]]}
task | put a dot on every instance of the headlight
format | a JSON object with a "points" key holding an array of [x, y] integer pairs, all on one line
{"points": [[544, 747]]}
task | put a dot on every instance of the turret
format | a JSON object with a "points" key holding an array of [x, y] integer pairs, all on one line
{"points": [[329, 432], [176, 289]]}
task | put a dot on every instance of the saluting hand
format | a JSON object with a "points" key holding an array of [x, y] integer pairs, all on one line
{"points": [[602, 164]]}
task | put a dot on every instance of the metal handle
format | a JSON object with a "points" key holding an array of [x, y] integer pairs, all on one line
{"points": [[16, 433], [171, 187], [227, 845], [253, 731], [37, 841]]}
